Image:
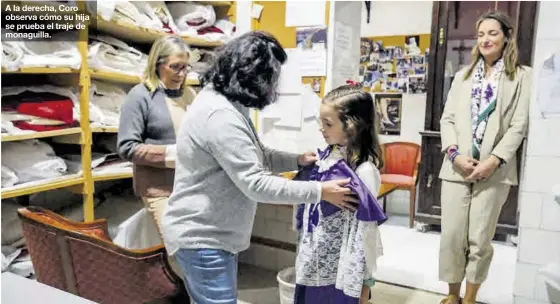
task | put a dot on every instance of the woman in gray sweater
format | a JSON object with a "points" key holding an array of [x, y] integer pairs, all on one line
{"points": [[223, 170], [150, 119]]}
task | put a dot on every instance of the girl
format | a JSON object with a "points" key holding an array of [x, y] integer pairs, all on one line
{"points": [[337, 248]]}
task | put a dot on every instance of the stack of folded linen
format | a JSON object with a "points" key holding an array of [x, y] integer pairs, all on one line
{"points": [[30, 160], [105, 103], [60, 51], [196, 20], [111, 54], [146, 14]]}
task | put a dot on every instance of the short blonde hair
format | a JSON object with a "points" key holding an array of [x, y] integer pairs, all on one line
{"points": [[161, 49]]}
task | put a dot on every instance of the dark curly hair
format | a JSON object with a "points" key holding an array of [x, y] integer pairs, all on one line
{"points": [[247, 69]]}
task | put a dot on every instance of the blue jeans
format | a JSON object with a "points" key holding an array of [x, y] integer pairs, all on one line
{"points": [[210, 275]]}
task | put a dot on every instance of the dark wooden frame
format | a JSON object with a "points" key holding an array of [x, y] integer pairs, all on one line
{"points": [[431, 142]]}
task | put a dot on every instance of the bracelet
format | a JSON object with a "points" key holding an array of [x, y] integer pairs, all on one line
{"points": [[451, 150], [453, 156]]}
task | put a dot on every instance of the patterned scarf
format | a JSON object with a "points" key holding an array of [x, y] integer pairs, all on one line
{"points": [[484, 96]]}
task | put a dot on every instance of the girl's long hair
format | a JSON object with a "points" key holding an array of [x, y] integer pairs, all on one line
{"points": [[357, 113]]}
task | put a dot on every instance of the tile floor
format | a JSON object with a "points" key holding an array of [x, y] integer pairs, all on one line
{"points": [[259, 286]]}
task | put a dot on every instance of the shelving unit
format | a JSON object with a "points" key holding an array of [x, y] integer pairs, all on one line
{"points": [[112, 176], [26, 189], [82, 135], [14, 137], [41, 70]]}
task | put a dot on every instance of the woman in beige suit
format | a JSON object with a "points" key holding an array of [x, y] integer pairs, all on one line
{"points": [[482, 126]]}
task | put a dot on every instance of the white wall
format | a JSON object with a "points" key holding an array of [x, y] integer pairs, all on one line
{"points": [[539, 233], [390, 18]]}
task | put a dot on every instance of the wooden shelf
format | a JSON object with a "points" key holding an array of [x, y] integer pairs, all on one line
{"points": [[137, 34], [41, 70], [114, 77], [193, 82], [98, 177], [195, 41], [216, 3], [61, 182], [105, 129], [14, 137]]}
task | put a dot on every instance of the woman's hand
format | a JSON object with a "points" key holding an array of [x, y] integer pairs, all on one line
{"points": [[465, 165], [335, 193], [484, 169], [307, 159]]}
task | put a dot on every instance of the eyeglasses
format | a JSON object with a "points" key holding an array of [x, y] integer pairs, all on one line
{"points": [[178, 67]]}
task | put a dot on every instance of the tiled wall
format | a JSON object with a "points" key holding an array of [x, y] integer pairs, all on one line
{"points": [[273, 222], [539, 235]]}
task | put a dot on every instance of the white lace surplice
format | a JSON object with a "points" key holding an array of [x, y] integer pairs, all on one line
{"points": [[341, 250]]}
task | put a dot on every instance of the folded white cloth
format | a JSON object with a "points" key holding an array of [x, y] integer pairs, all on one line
{"points": [[9, 128], [159, 15], [9, 178], [32, 160], [12, 55], [192, 16], [108, 53], [60, 51], [120, 11], [105, 103]]}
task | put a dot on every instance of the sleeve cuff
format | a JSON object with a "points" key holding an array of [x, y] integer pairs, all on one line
{"points": [[170, 155], [319, 191]]}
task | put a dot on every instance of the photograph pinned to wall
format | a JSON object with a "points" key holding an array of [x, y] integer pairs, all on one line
{"points": [[420, 70], [402, 73], [417, 59], [389, 111], [378, 82], [316, 85], [389, 53], [402, 84], [417, 84], [411, 45], [311, 38], [398, 53], [392, 83]]}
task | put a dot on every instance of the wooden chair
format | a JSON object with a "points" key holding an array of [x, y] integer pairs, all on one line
{"points": [[401, 170], [80, 258]]}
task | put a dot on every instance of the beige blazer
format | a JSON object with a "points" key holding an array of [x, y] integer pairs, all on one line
{"points": [[505, 130]]}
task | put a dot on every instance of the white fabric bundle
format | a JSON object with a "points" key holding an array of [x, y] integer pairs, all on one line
{"points": [[12, 55], [108, 53], [121, 11], [60, 51], [9, 177], [32, 160], [158, 14], [199, 16], [105, 103]]}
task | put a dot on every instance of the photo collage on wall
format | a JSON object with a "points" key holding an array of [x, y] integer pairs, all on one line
{"points": [[398, 68]]}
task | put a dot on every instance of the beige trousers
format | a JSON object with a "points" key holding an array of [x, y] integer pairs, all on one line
{"points": [[469, 215], [155, 207]]}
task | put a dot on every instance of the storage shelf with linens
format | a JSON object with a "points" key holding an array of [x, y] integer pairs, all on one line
{"points": [[86, 74]]}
